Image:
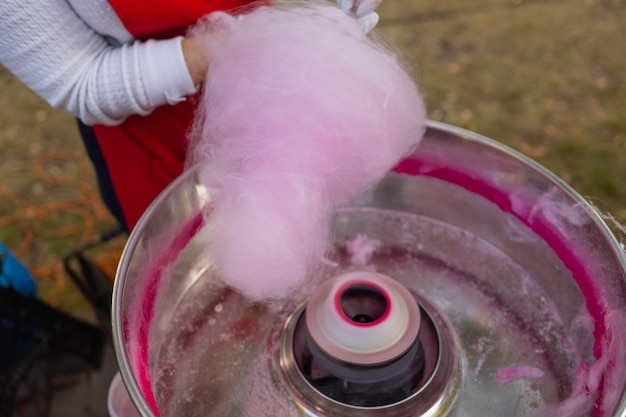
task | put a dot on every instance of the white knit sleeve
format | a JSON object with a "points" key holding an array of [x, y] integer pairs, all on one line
{"points": [[47, 45], [166, 81]]}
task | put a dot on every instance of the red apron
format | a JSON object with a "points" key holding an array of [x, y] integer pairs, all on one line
{"points": [[145, 153]]}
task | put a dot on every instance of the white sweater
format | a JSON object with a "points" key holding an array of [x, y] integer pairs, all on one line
{"points": [[78, 56]]}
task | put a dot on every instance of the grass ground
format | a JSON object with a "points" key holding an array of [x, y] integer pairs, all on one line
{"points": [[49, 204], [546, 77]]}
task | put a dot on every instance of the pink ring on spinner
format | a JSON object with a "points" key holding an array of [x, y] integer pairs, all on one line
{"points": [[372, 288]]}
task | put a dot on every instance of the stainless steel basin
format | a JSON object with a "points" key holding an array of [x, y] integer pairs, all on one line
{"points": [[521, 282]]}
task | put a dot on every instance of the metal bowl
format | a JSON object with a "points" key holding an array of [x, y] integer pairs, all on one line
{"points": [[521, 282]]}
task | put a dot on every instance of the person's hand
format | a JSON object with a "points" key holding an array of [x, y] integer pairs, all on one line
{"points": [[197, 58], [363, 11], [197, 43]]}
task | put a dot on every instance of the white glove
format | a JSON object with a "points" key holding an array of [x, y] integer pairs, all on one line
{"points": [[363, 12]]}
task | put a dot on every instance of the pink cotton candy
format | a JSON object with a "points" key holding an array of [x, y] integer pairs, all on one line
{"points": [[301, 112]]}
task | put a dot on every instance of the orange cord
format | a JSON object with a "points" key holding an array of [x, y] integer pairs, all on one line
{"points": [[29, 217]]}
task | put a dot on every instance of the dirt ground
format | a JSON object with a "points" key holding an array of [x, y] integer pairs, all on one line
{"points": [[546, 77]]}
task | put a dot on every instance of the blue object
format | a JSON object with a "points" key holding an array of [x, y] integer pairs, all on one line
{"points": [[13, 274]]}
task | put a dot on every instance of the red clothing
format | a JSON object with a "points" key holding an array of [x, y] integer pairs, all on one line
{"points": [[145, 153], [166, 18]]}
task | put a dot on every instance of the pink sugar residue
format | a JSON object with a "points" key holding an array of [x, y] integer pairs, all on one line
{"points": [[512, 373], [599, 383], [138, 318], [360, 249]]}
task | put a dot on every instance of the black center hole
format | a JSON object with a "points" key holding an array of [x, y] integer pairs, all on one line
{"points": [[363, 303]]}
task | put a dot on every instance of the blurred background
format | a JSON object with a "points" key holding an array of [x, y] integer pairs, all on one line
{"points": [[545, 77]]}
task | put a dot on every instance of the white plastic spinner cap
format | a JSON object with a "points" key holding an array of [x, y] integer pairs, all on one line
{"points": [[363, 318]]}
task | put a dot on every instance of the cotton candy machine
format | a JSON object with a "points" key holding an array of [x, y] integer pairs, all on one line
{"points": [[469, 282]]}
